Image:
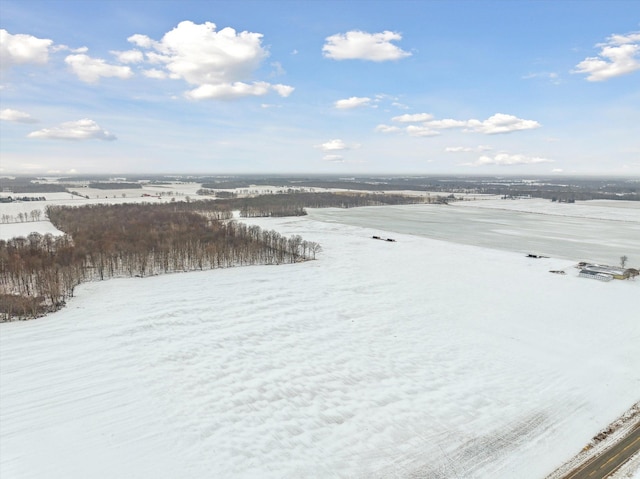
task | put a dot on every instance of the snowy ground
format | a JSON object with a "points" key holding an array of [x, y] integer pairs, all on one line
{"points": [[419, 358], [600, 231], [12, 230]]}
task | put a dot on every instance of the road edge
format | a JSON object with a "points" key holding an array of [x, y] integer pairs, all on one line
{"points": [[601, 442]]}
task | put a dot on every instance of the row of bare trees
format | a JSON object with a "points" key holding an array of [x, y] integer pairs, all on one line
{"points": [[38, 273], [22, 217], [294, 204]]}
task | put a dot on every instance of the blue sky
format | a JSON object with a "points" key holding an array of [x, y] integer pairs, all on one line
{"points": [[406, 87]]}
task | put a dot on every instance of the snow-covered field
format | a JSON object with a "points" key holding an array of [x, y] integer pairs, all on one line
{"points": [[417, 358], [598, 231]]}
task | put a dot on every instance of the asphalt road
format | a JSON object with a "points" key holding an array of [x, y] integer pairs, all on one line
{"points": [[606, 463]]}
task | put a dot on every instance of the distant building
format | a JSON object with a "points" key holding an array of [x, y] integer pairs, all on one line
{"points": [[585, 273], [613, 272]]}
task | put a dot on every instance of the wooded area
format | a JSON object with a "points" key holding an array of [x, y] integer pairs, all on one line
{"points": [[40, 272], [294, 204]]}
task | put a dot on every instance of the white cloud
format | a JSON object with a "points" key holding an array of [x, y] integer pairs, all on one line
{"points": [[557, 170], [129, 56], [17, 116], [506, 159], [387, 128], [90, 70], [84, 129], [154, 73], [65, 48], [427, 126], [498, 123], [218, 63], [203, 56], [360, 45], [447, 123], [142, 41], [283, 90], [501, 123], [619, 55], [412, 118], [333, 158], [21, 49], [352, 102], [464, 149], [333, 145], [415, 130], [230, 91]]}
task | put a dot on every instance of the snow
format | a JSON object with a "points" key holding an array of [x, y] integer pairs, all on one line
{"points": [[630, 470], [526, 226], [418, 358], [610, 210], [12, 230]]}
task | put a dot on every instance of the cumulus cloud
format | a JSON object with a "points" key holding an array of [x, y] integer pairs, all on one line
{"points": [[22, 49], [154, 73], [16, 116], [427, 126], [447, 123], [90, 70], [416, 130], [399, 105], [501, 123], [465, 149], [358, 45], [352, 102], [387, 128], [228, 91], [231, 91], [506, 159], [84, 129], [129, 56], [412, 118], [219, 63], [65, 48], [619, 55], [142, 41], [333, 145], [283, 90]]}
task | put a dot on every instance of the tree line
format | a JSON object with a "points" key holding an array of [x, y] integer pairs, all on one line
{"points": [[294, 204], [40, 272], [22, 217]]}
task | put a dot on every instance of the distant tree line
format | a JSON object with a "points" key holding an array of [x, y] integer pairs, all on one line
{"points": [[33, 215], [11, 199], [29, 185], [115, 186], [294, 204], [216, 193], [40, 272]]}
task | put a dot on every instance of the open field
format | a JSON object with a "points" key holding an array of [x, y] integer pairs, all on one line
{"points": [[418, 358]]}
